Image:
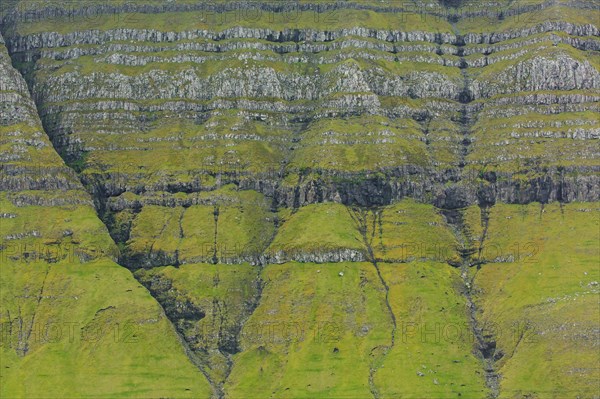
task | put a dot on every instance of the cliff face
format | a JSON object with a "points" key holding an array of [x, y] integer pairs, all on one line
{"points": [[280, 98], [306, 187], [64, 301]]}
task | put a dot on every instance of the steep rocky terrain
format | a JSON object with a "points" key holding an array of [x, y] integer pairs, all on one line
{"points": [[351, 199], [72, 319]]}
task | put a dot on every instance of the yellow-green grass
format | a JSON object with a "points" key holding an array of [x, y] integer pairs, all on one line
{"points": [[312, 333], [243, 228], [358, 144], [409, 231], [541, 303], [42, 155], [491, 136], [97, 333], [433, 352], [57, 233], [397, 68], [198, 20], [157, 228], [228, 143], [525, 20], [224, 293], [520, 155], [444, 140], [316, 229], [537, 120], [202, 282]]}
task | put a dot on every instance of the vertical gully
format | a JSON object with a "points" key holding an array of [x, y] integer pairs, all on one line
{"points": [[485, 345], [360, 217]]}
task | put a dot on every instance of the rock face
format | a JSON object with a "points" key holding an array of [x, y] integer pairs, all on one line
{"points": [[28, 160], [59, 283], [280, 101], [259, 162]]}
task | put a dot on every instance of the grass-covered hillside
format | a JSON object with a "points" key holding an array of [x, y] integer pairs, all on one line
{"points": [[306, 199], [73, 322]]}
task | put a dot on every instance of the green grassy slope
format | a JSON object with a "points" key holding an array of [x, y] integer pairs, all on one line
{"points": [[433, 355], [539, 296], [270, 184], [73, 322], [208, 304]]}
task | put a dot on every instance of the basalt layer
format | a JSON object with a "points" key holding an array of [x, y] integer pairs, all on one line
{"points": [[325, 199], [340, 108], [67, 307]]}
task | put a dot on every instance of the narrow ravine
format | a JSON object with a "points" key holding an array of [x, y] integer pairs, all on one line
{"points": [[217, 388], [465, 97], [485, 222], [22, 351], [259, 285], [360, 218], [485, 344], [99, 198], [220, 308], [215, 258]]}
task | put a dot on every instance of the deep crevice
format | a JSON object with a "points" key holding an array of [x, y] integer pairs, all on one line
{"points": [[25, 349], [99, 197], [191, 354], [485, 222], [485, 343], [465, 97], [215, 258], [360, 218]]}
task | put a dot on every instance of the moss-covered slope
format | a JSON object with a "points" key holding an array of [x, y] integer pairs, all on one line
{"points": [[351, 199], [73, 322]]}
